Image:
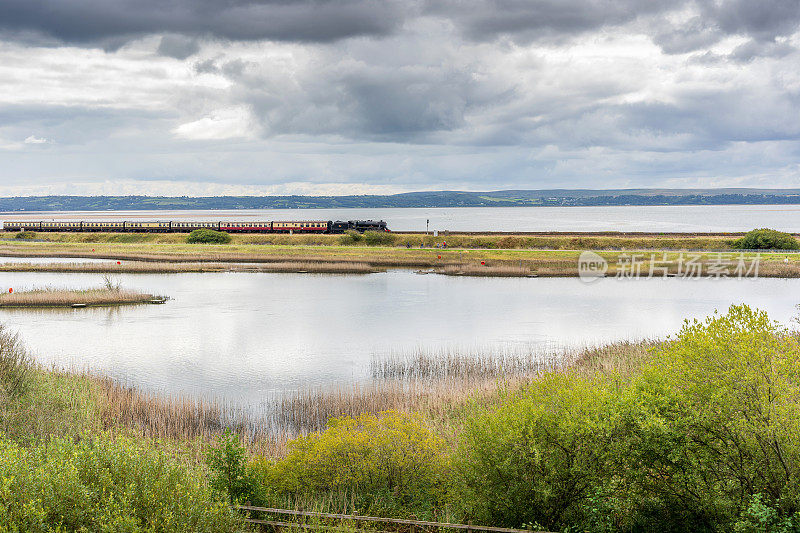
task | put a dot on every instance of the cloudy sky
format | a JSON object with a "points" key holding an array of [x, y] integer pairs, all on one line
{"points": [[203, 97]]}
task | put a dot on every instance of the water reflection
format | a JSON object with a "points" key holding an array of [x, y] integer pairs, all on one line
{"points": [[243, 336]]}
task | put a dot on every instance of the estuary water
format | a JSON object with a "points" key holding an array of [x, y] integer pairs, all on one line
{"points": [[722, 218], [244, 336]]}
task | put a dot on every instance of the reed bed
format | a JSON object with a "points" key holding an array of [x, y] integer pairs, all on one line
{"points": [[160, 416], [501, 270], [438, 385], [50, 297], [144, 267], [345, 267], [463, 365]]}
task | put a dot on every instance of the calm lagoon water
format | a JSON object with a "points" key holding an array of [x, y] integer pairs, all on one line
{"points": [[624, 218], [244, 336]]}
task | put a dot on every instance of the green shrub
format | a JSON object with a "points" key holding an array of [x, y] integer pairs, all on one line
{"points": [[379, 238], [104, 484], [25, 235], [390, 464], [15, 366], [229, 473], [537, 459], [706, 437], [761, 518], [718, 419], [208, 236], [767, 239], [350, 236]]}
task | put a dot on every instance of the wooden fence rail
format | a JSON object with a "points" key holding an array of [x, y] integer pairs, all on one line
{"points": [[411, 524]]}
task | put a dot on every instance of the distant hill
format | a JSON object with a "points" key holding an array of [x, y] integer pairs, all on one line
{"points": [[551, 197]]}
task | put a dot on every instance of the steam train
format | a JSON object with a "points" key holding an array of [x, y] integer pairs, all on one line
{"points": [[183, 226]]}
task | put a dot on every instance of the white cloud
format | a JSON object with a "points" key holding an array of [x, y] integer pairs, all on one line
{"points": [[231, 123], [189, 188], [634, 101]]}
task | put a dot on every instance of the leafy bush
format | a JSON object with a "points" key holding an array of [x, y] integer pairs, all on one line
{"points": [[208, 236], [229, 472], [350, 236], [537, 459], [761, 518], [102, 484], [15, 365], [705, 438], [767, 239], [717, 421], [379, 238], [25, 235], [388, 464]]}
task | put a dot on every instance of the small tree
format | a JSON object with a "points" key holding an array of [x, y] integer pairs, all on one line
{"points": [[25, 236], [351, 236], [767, 239], [379, 238], [208, 236], [228, 463]]}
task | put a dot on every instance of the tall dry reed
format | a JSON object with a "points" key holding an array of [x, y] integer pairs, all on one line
{"points": [[51, 297]]}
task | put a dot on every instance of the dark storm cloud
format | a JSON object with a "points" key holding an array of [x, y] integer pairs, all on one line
{"points": [[112, 22], [531, 20], [93, 21], [178, 46]]}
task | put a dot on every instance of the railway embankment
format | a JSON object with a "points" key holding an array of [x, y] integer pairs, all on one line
{"points": [[623, 255]]}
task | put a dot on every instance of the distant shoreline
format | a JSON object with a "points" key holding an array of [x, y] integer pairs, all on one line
{"points": [[426, 199]]}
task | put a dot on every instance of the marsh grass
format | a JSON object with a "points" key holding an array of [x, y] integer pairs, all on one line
{"points": [[53, 297], [476, 269], [463, 364], [345, 267], [554, 241], [154, 415], [145, 267], [15, 365], [441, 385]]}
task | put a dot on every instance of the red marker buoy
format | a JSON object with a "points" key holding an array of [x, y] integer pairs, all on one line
{"points": [[483, 262], [119, 263], [10, 290]]}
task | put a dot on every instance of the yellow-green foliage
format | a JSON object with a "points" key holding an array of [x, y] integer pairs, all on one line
{"points": [[391, 463], [540, 456], [100, 484], [379, 238], [706, 437], [716, 419]]}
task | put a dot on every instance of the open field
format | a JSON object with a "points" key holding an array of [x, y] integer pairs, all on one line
{"points": [[50, 297], [543, 241], [357, 259]]}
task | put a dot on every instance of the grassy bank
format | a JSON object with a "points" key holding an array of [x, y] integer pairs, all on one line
{"points": [[554, 241], [479, 262]]}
